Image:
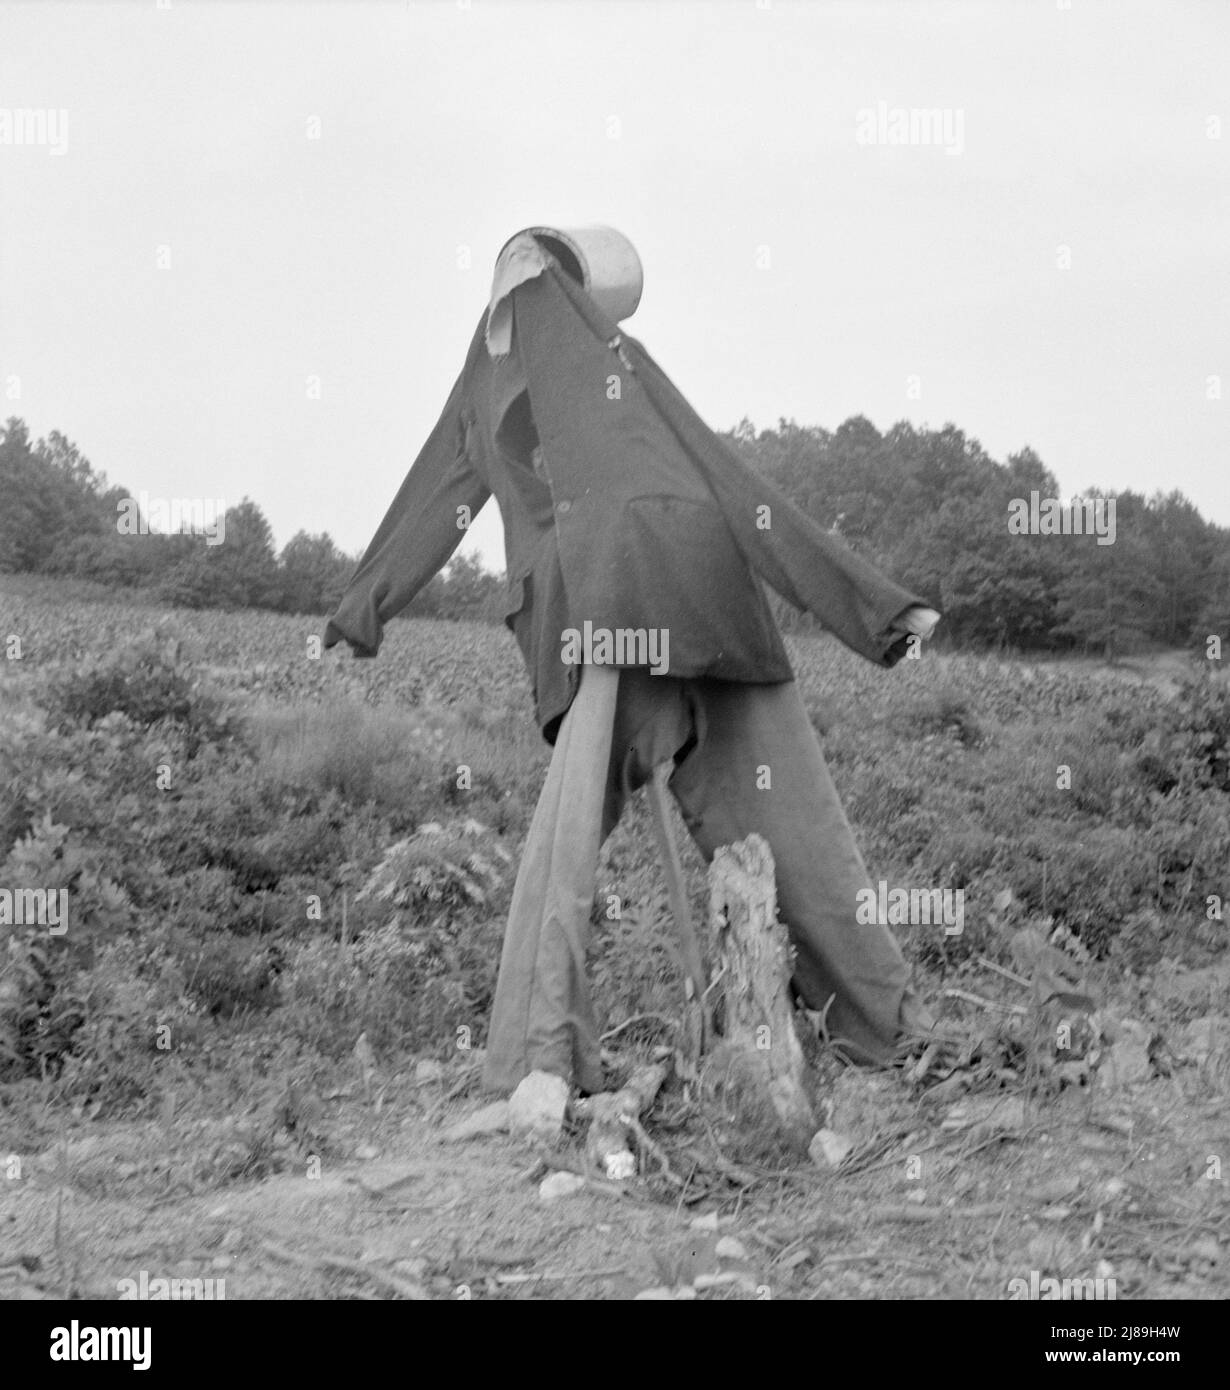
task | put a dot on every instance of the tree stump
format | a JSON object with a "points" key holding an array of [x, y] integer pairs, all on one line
{"points": [[756, 1070]]}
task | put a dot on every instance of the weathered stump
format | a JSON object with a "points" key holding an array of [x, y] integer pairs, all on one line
{"points": [[756, 1070]]}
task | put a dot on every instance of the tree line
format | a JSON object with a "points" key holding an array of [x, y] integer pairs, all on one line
{"points": [[930, 507], [60, 517]]}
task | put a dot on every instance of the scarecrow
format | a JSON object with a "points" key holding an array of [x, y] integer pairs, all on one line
{"points": [[636, 541]]}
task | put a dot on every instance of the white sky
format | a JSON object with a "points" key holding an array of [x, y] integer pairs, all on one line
{"points": [[444, 126]]}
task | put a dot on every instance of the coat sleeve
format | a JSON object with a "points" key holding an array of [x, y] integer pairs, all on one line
{"points": [[791, 553], [420, 531]]}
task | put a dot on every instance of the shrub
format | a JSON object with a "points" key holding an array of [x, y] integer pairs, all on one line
{"points": [[426, 954], [42, 995], [149, 682]]}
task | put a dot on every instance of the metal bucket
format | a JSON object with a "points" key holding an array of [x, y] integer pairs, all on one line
{"points": [[600, 259]]}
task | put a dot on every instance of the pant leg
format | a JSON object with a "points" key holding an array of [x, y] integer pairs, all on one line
{"points": [[542, 1017], [757, 766]]}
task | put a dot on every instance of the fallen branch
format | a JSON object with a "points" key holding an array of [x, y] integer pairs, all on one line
{"points": [[615, 1120], [403, 1287], [1007, 974], [638, 1018], [980, 1002], [921, 1213], [557, 1276]]}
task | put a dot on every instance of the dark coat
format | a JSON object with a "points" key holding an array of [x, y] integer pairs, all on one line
{"points": [[632, 514]]}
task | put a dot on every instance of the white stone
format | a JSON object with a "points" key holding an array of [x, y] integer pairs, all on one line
{"points": [[558, 1185], [728, 1248], [829, 1149], [536, 1108], [620, 1166], [1200, 1038]]}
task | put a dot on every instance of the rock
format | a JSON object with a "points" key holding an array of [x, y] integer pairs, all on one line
{"points": [[1127, 1063], [558, 1185], [411, 1269], [364, 1055], [620, 1166], [1056, 1190], [947, 1090], [987, 1115], [429, 1070], [828, 1149], [728, 1248], [366, 1152], [726, 1276], [1200, 1038], [708, 1222], [491, 1119], [536, 1108]]}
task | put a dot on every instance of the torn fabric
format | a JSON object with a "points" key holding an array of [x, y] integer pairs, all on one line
{"points": [[521, 260]]}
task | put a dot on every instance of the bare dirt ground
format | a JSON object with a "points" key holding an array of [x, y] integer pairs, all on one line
{"points": [[341, 1192]]}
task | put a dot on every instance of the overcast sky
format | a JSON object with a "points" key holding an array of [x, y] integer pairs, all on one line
{"points": [[791, 268]]}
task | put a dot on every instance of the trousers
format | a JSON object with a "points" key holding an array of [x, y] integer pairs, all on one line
{"points": [[746, 758]]}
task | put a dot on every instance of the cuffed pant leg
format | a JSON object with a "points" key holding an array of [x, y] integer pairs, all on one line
{"points": [[757, 766], [542, 1018]]}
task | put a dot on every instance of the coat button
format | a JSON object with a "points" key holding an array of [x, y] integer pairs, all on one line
{"points": [[564, 508]]}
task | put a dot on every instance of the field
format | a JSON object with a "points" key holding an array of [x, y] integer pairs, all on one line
{"points": [[287, 872]]}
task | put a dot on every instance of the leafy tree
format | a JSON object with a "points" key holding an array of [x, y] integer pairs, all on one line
{"points": [[1213, 617], [22, 517], [1183, 545], [995, 589], [313, 573], [470, 591], [1108, 596], [239, 572]]}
